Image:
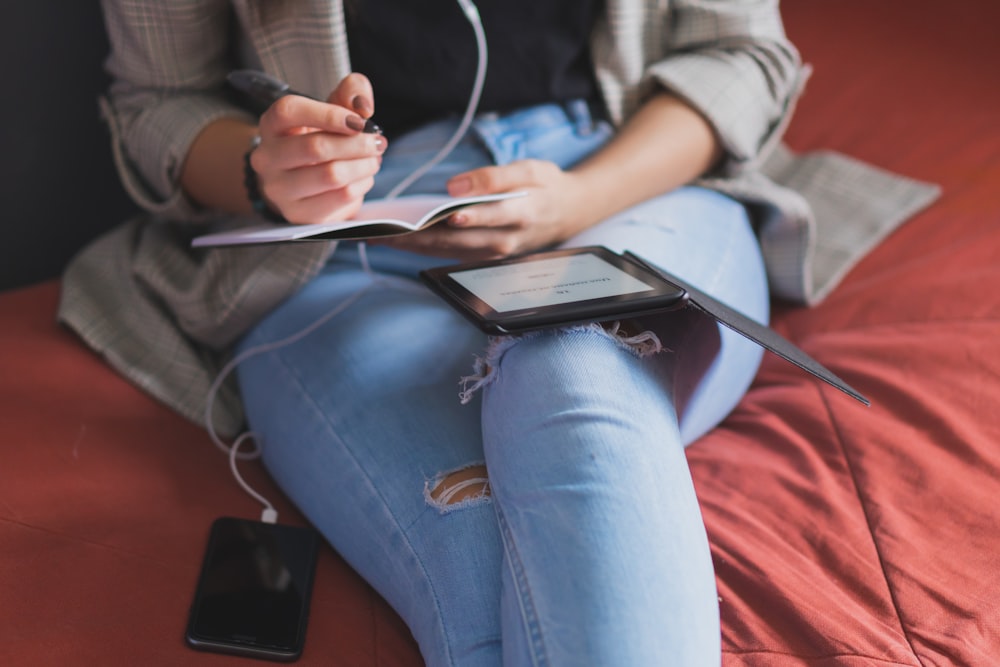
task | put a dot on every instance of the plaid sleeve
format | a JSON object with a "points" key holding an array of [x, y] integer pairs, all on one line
{"points": [[168, 63], [732, 62]]}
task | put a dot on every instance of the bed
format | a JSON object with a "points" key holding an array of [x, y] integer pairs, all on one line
{"points": [[841, 535]]}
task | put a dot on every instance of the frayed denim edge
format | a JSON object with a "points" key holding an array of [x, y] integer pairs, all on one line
{"points": [[485, 368], [443, 504]]}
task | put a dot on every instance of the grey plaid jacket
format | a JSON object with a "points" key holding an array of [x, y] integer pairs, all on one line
{"points": [[165, 315]]}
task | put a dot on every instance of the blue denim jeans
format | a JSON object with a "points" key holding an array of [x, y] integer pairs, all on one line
{"points": [[588, 548]]}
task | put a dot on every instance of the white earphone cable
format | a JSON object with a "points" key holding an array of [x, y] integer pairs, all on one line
{"points": [[269, 514], [472, 14]]}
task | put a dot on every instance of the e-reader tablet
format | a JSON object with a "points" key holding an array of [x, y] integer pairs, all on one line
{"points": [[556, 288], [593, 284]]}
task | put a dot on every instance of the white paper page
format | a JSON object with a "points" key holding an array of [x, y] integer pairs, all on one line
{"points": [[407, 212]]}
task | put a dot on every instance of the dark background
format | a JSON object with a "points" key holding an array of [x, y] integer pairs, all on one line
{"points": [[58, 187]]}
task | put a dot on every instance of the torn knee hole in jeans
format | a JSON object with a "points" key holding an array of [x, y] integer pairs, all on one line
{"points": [[458, 488], [628, 335]]}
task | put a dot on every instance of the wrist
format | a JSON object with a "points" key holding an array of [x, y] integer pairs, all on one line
{"points": [[589, 198], [212, 171], [251, 182]]}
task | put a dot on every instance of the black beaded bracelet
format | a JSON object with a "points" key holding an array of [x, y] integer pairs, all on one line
{"points": [[260, 207]]}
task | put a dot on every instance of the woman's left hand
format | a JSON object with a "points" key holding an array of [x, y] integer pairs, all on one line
{"points": [[665, 144], [554, 209]]}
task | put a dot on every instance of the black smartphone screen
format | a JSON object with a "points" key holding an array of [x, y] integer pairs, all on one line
{"points": [[253, 594]]}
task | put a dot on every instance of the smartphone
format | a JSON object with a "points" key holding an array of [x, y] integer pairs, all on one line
{"points": [[252, 597]]}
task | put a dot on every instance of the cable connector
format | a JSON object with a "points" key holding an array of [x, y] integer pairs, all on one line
{"points": [[269, 515]]}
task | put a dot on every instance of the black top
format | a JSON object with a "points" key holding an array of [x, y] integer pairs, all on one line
{"points": [[421, 56]]}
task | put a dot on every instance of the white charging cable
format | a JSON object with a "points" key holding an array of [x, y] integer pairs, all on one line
{"points": [[472, 14], [269, 513]]}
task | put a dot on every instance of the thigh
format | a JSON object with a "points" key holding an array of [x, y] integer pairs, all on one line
{"points": [[355, 420], [706, 239], [590, 478]]}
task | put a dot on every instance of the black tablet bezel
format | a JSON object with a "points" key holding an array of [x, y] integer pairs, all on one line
{"points": [[665, 295]]}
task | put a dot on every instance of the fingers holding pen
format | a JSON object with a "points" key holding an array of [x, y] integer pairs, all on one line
{"points": [[320, 177], [309, 181], [293, 114], [355, 92], [293, 151], [315, 162]]}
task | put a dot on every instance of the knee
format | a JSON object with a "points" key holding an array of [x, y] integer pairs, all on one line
{"points": [[558, 348]]}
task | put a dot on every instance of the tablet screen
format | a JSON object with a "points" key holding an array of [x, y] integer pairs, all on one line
{"points": [[548, 282], [554, 288]]}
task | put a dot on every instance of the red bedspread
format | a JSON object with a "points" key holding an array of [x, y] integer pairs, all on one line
{"points": [[841, 534]]}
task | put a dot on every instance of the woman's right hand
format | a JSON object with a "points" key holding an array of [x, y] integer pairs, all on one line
{"points": [[314, 163]]}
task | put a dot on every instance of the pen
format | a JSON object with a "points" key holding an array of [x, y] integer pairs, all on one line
{"points": [[268, 89]]}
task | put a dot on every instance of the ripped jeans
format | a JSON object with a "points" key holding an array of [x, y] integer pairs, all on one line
{"points": [[552, 519]]}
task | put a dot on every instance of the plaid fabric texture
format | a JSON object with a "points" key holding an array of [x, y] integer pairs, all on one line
{"points": [[165, 315]]}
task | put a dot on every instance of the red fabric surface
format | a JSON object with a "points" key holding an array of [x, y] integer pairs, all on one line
{"points": [[841, 535], [106, 498], [845, 535]]}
